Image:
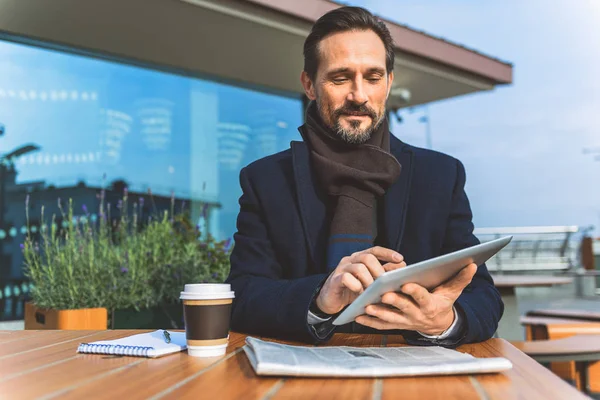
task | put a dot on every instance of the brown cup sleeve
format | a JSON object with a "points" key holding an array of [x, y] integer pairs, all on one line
{"points": [[207, 322]]}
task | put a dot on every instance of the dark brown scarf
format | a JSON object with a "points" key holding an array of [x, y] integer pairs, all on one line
{"points": [[353, 176]]}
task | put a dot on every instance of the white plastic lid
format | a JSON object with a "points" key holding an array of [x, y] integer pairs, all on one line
{"points": [[207, 291]]}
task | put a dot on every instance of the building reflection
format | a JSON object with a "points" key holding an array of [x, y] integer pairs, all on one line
{"points": [[12, 234]]}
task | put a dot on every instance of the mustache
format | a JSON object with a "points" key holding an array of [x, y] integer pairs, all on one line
{"points": [[355, 109]]}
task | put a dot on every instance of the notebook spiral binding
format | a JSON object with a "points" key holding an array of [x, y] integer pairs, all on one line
{"points": [[120, 350]]}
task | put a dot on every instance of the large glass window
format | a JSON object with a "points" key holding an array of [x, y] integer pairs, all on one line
{"points": [[74, 124]]}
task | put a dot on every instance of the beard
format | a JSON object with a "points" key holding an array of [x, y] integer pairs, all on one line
{"points": [[352, 134]]}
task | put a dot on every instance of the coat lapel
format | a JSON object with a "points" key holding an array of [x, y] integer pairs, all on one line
{"points": [[397, 196], [311, 203]]}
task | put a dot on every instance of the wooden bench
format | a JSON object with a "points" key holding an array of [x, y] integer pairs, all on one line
{"points": [[507, 285], [582, 315], [545, 328], [579, 349]]}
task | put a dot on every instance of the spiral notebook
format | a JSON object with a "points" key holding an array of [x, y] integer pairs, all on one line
{"points": [[151, 344]]}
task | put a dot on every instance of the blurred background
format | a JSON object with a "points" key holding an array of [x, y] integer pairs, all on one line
{"points": [[174, 97]]}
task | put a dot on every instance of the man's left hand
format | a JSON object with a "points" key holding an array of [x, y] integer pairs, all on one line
{"points": [[417, 309]]}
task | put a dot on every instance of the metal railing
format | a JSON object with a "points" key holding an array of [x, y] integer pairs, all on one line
{"points": [[535, 248]]}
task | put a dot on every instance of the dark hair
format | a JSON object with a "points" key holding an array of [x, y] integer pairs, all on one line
{"points": [[341, 20]]}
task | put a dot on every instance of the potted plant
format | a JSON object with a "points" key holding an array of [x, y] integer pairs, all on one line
{"points": [[87, 272]]}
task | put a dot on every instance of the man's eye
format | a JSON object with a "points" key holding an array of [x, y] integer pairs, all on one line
{"points": [[374, 80], [339, 80]]}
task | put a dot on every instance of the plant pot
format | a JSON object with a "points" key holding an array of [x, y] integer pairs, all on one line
{"points": [[166, 316], [81, 319]]}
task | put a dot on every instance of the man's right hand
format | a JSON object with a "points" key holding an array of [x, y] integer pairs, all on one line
{"points": [[355, 273]]}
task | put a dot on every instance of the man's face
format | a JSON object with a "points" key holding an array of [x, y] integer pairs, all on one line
{"points": [[351, 85]]}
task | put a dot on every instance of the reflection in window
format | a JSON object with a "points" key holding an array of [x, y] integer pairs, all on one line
{"points": [[101, 124]]}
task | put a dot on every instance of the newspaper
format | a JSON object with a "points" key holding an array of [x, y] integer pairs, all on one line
{"points": [[268, 358]]}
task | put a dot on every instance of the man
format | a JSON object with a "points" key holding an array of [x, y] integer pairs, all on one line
{"points": [[319, 222]]}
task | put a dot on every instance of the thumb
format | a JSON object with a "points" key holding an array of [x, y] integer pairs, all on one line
{"points": [[460, 281]]}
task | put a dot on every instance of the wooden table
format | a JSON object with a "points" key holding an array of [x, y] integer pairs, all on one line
{"points": [[582, 349], [509, 327], [44, 364]]}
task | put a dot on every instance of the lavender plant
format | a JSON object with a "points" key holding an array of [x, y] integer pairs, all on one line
{"points": [[119, 263]]}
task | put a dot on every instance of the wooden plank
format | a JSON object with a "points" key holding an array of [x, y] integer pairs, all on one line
{"points": [[231, 378], [142, 380], [41, 342], [57, 377], [150, 377], [42, 364], [530, 320], [355, 340], [578, 344], [430, 387], [526, 380], [569, 313], [392, 340], [21, 364], [557, 331], [13, 336], [334, 388]]}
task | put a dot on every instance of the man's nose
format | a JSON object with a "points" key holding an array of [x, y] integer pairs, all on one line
{"points": [[357, 94]]}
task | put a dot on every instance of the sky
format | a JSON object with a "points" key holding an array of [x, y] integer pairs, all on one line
{"points": [[522, 144]]}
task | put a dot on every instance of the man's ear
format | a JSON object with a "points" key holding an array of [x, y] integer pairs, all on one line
{"points": [[390, 81], [307, 84]]}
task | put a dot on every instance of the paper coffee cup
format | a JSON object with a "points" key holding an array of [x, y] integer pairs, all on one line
{"points": [[207, 311]]}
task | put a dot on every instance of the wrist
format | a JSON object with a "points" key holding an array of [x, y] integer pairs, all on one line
{"points": [[446, 322], [318, 309], [318, 302]]}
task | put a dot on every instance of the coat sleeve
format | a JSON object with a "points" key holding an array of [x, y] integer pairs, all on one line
{"points": [[480, 303], [265, 303]]}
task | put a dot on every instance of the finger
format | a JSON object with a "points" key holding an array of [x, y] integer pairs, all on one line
{"points": [[376, 323], [419, 294], [350, 282], [392, 266], [362, 273], [384, 254], [387, 314], [400, 302], [371, 262], [460, 281]]}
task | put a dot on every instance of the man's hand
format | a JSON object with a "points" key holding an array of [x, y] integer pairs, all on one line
{"points": [[353, 274], [416, 308]]}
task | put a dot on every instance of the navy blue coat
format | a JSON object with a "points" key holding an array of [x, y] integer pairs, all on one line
{"points": [[278, 261]]}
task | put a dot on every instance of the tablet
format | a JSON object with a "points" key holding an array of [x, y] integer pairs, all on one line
{"points": [[429, 274]]}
